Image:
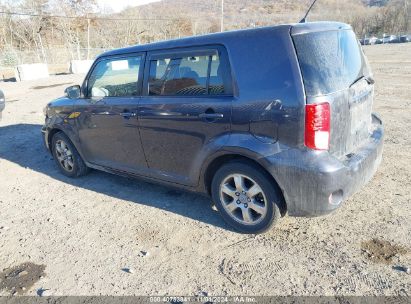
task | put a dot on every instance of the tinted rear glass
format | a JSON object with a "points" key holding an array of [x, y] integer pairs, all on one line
{"points": [[192, 75], [330, 61]]}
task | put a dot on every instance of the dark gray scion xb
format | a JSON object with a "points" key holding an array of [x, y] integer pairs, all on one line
{"points": [[267, 121]]}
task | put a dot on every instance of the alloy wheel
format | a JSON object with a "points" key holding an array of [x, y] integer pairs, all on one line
{"points": [[64, 155], [243, 199]]}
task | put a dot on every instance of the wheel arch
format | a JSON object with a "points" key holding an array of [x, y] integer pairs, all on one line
{"points": [[66, 131], [50, 135], [220, 160]]}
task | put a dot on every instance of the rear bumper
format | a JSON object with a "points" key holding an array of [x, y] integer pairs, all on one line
{"points": [[316, 183]]}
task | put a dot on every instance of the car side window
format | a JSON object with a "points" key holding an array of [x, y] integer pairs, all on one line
{"points": [[191, 75], [117, 77], [216, 86]]}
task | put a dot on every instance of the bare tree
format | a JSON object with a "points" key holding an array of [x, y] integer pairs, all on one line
{"points": [[77, 25]]}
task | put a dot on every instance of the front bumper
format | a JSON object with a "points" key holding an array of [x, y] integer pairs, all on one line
{"points": [[45, 133], [316, 183], [2, 106]]}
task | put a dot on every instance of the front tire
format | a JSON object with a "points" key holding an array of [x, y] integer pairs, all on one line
{"points": [[67, 157], [246, 197]]}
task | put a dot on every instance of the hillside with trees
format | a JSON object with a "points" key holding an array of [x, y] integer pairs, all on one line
{"points": [[53, 31]]}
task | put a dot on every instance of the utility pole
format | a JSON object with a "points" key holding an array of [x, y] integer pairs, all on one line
{"points": [[88, 38], [42, 48], [222, 16], [406, 16], [41, 45]]}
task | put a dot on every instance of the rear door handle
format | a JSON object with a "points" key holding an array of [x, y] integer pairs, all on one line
{"points": [[211, 115]]}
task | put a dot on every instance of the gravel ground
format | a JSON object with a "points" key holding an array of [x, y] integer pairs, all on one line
{"points": [[107, 235]]}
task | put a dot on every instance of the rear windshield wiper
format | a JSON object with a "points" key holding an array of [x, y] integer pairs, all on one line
{"points": [[368, 78]]}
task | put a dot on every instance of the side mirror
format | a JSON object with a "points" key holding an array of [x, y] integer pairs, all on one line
{"points": [[73, 92], [2, 99]]}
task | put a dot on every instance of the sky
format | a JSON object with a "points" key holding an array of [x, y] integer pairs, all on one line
{"points": [[118, 5]]}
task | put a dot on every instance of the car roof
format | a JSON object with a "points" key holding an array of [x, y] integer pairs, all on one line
{"points": [[221, 38], [214, 38]]}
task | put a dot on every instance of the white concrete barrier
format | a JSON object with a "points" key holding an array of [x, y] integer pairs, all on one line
{"points": [[31, 71], [80, 66]]}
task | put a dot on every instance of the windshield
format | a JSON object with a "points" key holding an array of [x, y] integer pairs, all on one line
{"points": [[330, 61]]}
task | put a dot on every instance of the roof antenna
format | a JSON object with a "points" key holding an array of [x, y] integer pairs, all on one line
{"points": [[306, 14]]}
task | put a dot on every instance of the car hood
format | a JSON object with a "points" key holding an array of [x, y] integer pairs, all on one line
{"points": [[61, 102]]}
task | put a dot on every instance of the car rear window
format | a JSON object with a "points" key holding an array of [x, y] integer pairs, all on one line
{"points": [[187, 75], [330, 61]]}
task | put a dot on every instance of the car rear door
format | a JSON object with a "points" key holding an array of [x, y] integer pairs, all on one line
{"points": [[186, 105], [108, 124]]}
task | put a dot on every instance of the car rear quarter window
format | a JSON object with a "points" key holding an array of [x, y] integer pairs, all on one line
{"points": [[188, 75], [115, 78]]}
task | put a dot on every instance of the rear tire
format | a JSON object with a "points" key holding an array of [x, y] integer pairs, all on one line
{"points": [[67, 157], [246, 197]]}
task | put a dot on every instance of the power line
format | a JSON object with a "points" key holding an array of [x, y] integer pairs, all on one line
{"points": [[86, 17]]}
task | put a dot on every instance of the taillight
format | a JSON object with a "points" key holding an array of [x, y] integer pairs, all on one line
{"points": [[317, 126]]}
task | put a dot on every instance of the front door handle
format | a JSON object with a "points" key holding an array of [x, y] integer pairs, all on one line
{"points": [[211, 115], [128, 115]]}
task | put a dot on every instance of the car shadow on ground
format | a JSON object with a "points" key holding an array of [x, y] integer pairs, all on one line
{"points": [[23, 145]]}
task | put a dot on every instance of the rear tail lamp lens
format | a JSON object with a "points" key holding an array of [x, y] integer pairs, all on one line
{"points": [[317, 126]]}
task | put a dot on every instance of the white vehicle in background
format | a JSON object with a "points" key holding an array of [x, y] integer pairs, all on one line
{"points": [[369, 41], [2, 102], [373, 40]]}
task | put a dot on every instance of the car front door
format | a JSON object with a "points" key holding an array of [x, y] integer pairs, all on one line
{"points": [[186, 105], [108, 124]]}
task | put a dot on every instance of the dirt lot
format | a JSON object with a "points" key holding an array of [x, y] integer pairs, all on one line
{"points": [[76, 237]]}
